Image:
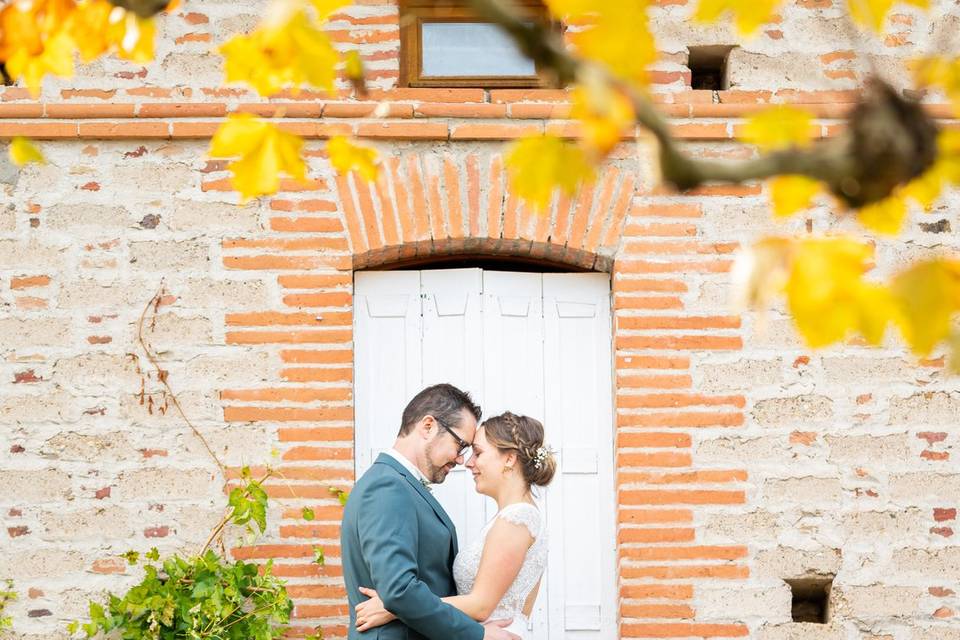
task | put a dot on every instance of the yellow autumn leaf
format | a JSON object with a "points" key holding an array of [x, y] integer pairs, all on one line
{"points": [[828, 296], [779, 127], [539, 164], [872, 13], [282, 53], [790, 194], [566, 9], [346, 156], [618, 35], [928, 297], [325, 8], [884, 216], [748, 15], [940, 72], [604, 115], [56, 59], [135, 37], [264, 152], [22, 152]]}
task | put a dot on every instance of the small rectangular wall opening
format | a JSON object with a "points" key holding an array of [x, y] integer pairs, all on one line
{"points": [[810, 599], [708, 66]]}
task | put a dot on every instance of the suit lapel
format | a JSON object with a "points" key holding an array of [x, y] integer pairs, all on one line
{"points": [[422, 490]]}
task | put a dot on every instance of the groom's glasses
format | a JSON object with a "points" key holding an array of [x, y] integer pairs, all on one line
{"points": [[463, 444]]}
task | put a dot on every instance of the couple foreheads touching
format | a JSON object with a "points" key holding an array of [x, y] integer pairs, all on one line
{"points": [[405, 577]]}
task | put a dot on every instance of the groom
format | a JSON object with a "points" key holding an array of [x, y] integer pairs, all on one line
{"points": [[397, 539]]}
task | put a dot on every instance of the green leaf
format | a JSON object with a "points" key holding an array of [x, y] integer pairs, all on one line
{"points": [[132, 557], [318, 556], [153, 554]]}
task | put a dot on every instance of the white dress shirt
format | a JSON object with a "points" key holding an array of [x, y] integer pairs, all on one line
{"points": [[402, 459]]}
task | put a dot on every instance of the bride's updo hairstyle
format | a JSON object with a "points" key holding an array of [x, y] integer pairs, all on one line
{"points": [[510, 432]]}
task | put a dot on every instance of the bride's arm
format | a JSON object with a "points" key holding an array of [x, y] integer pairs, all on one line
{"points": [[504, 549]]}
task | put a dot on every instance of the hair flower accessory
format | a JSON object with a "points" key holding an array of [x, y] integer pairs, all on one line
{"points": [[541, 455]]}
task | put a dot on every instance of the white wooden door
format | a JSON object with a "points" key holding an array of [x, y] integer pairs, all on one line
{"points": [[535, 344]]}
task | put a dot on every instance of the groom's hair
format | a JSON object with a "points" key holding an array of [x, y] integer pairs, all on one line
{"points": [[442, 401]]}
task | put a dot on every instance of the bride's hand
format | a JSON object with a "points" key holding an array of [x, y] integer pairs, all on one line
{"points": [[371, 613]]}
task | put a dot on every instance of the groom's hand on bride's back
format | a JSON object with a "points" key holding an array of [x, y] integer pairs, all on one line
{"points": [[494, 630]]}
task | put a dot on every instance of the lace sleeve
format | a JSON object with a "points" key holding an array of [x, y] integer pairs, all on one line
{"points": [[524, 514]]}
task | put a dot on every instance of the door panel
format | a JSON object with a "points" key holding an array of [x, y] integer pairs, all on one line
{"points": [[534, 344]]}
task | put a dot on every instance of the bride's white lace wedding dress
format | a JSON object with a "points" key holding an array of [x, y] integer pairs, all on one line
{"points": [[467, 563]]}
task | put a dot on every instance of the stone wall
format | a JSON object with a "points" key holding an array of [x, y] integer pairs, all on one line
{"points": [[743, 457]]}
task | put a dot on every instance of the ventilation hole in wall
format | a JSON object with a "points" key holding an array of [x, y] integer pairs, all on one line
{"points": [[708, 66], [811, 598]]}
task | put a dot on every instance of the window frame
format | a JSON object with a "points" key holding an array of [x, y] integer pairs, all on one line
{"points": [[413, 13]]}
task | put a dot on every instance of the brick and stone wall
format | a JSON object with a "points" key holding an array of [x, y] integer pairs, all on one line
{"points": [[743, 458]]}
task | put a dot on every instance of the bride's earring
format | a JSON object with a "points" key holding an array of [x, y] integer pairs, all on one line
{"points": [[507, 470]]}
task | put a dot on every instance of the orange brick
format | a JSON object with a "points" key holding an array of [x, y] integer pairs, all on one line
{"points": [[495, 197], [431, 95], [316, 374], [368, 215], [473, 196], [675, 342], [626, 536], [542, 111], [528, 95], [435, 212], [319, 453], [323, 356], [659, 459], [298, 244], [719, 476], [652, 362], [699, 496], [403, 130], [366, 109], [316, 434], [493, 131], [124, 130], [628, 610], [310, 205], [620, 208], [39, 130], [579, 237], [287, 414], [678, 322], [668, 210], [682, 630], [306, 224], [27, 282], [289, 337], [678, 440], [271, 318], [667, 400], [647, 302], [697, 131], [450, 110], [625, 283], [274, 263], [21, 110], [328, 281], [656, 591], [685, 419], [653, 516], [654, 382], [327, 299], [94, 110], [391, 235], [451, 183], [737, 190], [421, 216], [287, 394], [682, 572], [351, 215]]}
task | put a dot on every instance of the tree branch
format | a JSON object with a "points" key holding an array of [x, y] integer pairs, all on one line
{"points": [[843, 163]]}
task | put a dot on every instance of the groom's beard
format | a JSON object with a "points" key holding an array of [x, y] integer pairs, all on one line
{"points": [[436, 474]]}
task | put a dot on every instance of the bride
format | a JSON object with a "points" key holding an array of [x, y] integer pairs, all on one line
{"points": [[498, 575]]}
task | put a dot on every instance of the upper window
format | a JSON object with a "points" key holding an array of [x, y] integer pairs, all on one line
{"points": [[444, 44]]}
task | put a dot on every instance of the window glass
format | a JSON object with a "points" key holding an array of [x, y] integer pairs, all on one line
{"points": [[471, 49]]}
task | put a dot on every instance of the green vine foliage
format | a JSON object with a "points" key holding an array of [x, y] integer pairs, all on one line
{"points": [[203, 596], [7, 595]]}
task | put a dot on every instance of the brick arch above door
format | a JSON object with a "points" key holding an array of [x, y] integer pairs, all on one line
{"points": [[446, 203]]}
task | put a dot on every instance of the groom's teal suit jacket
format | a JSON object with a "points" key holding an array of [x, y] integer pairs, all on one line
{"points": [[397, 539]]}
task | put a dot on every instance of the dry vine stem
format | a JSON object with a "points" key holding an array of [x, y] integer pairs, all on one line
{"points": [[162, 374], [888, 142]]}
